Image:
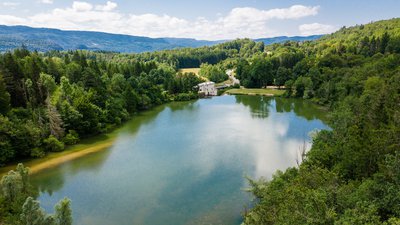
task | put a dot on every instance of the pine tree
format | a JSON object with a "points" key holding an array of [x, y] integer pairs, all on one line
{"points": [[63, 213], [4, 97], [11, 186], [32, 214], [384, 42], [24, 173]]}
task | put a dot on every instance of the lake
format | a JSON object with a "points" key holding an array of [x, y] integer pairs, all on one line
{"points": [[184, 162]]}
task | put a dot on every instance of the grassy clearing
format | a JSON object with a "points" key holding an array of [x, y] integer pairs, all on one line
{"points": [[256, 91], [190, 70]]}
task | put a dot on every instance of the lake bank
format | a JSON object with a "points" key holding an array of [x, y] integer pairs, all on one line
{"points": [[256, 91], [84, 147]]}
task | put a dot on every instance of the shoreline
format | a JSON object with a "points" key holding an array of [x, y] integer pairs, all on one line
{"points": [[69, 157], [82, 148], [256, 92], [56, 159]]}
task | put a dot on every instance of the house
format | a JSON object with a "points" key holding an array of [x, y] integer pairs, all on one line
{"points": [[207, 88]]}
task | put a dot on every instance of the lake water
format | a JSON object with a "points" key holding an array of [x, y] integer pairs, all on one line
{"points": [[183, 162]]}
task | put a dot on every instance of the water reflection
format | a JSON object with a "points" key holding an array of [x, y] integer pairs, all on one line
{"points": [[53, 179], [301, 107], [259, 105], [182, 163]]}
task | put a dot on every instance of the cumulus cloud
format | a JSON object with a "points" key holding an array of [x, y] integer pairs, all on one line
{"points": [[10, 4], [81, 6], [238, 23], [12, 20], [249, 14], [107, 7], [47, 1], [316, 28]]}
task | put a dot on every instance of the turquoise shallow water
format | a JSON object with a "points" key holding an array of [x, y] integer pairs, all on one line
{"points": [[183, 162]]}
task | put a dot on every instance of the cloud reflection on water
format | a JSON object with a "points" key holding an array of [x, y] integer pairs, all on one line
{"points": [[185, 162], [261, 144]]}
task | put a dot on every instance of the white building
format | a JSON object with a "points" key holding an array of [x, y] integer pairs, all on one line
{"points": [[208, 88]]}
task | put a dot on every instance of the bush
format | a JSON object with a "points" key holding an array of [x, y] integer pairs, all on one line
{"points": [[52, 144], [71, 138], [185, 96], [38, 153]]}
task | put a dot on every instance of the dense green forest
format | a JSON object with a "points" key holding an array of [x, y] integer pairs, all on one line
{"points": [[352, 173], [350, 176], [51, 100]]}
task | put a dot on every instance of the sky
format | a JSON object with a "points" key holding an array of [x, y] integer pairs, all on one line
{"points": [[201, 19]]}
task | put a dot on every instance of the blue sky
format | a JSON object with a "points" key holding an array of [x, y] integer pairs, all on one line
{"points": [[205, 19]]}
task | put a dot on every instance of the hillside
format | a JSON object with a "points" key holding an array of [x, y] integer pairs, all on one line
{"points": [[358, 37], [281, 39], [44, 39], [351, 175]]}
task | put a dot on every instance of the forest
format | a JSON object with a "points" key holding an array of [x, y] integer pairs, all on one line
{"points": [[350, 176]]}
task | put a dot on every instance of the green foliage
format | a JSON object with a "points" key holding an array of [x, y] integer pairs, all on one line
{"points": [[38, 152], [364, 213], [11, 185], [63, 212], [55, 94], [4, 97], [32, 214], [303, 87], [213, 72], [71, 138], [184, 83], [185, 96], [17, 206], [52, 144], [256, 74], [351, 175]]}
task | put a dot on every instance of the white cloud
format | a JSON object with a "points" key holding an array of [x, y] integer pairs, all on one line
{"points": [[238, 23], [107, 7], [10, 4], [81, 6], [47, 1], [254, 15], [12, 20], [316, 28]]}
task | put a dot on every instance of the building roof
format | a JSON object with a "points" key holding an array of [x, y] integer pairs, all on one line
{"points": [[206, 83]]}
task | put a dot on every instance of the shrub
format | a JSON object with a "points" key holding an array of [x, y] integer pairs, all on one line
{"points": [[53, 144], [38, 152], [185, 96], [71, 138]]}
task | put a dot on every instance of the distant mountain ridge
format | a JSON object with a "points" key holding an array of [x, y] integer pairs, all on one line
{"points": [[45, 39], [281, 39]]}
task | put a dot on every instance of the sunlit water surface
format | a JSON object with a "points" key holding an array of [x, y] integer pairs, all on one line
{"points": [[184, 162]]}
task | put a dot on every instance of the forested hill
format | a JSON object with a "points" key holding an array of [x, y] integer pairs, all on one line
{"points": [[282, 39], [44, 39], [351, 175]]}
